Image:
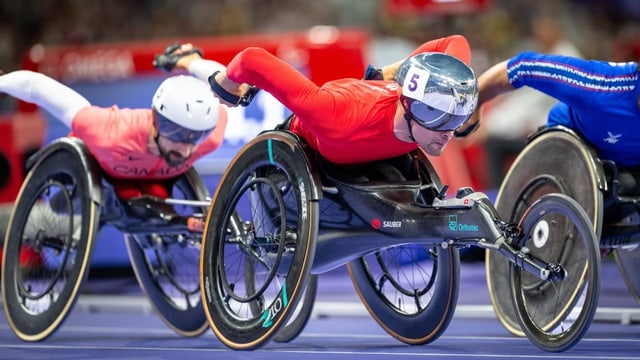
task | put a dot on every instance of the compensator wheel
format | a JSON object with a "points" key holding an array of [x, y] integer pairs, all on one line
{"points": [[167, 265], [48, 246], [556, 313], [259, 242]]}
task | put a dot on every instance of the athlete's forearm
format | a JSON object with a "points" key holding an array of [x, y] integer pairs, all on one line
{"points": [[493, 82], [257, 67], [59, 100], [203, 68]]}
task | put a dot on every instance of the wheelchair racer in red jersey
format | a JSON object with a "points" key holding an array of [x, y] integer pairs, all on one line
{"points": [[418, 102]]}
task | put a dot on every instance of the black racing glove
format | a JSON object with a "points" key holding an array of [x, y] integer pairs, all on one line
{"points": [[373, 73], [236, 100], [468, 131], [167, 60]]}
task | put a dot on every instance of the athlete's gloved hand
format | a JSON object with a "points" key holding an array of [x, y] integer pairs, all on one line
{"points": [[466, 129], [167, 60], [229, 98], [373, 73]]}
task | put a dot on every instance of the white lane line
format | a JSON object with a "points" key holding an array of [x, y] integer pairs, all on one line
{"points": [[97, 303], [355, 354]]}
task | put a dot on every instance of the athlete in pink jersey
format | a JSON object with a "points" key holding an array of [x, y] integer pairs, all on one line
{"points": [[420, 101], [184, 123]]}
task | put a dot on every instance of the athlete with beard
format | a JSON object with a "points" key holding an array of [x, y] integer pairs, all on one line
{"points": [[184, 123]]}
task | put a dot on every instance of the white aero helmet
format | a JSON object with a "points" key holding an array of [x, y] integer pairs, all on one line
{"points": [[185, 109], [439, 91]]}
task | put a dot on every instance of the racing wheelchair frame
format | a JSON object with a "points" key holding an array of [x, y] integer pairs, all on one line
{"points": [[62, 204], [608, 194], [281, 214], [64, 201]]}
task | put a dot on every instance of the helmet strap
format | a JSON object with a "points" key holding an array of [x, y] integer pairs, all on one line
{"points": [[163, 153], [408, 118]]}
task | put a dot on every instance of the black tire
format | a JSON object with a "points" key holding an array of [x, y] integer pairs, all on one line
{"points": [[628, 262], [411, 290], [167, 268], [541, 168], [301, 315], [555, 315], [260, 230], [54, 222]]}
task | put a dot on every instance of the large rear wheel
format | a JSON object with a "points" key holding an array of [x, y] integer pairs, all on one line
{"points": [[410, 290], [48, 246], [540, 169], [167, 266], [259, 243]]}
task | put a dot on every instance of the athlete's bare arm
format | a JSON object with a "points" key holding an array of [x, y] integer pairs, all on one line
{"points": [[491, 83]]}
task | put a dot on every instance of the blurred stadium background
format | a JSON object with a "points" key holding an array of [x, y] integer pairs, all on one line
{"points": [[104, 50]]}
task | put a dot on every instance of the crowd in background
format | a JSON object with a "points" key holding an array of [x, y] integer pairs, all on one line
{"points": [[594, 29], [599, 28]]}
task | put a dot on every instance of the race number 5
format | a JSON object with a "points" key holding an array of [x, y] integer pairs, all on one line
{"points": [[415, 83]]}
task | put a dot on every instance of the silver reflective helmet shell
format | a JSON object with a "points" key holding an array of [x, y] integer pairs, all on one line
{"points": [[439, 91]]}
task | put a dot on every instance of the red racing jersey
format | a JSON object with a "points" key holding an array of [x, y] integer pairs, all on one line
{"points": [[347, 120]]}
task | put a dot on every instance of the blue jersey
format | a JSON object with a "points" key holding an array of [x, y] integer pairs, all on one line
{"points": [[598, 99]]}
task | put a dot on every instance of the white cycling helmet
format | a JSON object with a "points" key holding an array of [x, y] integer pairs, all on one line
{"points": [[439, 91], [185, 109]]}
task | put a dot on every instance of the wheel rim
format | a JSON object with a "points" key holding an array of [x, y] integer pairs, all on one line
{"points": [[556, 314]]}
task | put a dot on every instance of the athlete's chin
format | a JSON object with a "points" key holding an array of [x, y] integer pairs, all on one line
{"points": [[175, 162], [434, 149]]}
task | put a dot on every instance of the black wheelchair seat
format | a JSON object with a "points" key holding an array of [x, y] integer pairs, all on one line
{"points": [[385, 189]]}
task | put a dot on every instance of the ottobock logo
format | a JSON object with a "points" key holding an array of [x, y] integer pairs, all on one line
{"points": [[378, 224], [454, 225]]}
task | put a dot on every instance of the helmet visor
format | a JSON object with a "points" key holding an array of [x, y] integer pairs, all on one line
{"points": [[440, 113], [176, 133]]}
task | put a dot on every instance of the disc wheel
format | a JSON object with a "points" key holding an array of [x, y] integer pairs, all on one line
{"points": [[628, 262], [540, 169]]}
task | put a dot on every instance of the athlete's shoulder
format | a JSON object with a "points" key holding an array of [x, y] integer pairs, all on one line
{"points": [[102, 126]]}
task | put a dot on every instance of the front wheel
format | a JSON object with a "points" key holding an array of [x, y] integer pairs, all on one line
{"points": [[555, 315]]}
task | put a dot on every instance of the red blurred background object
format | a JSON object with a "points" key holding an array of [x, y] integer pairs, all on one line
{"points": [[434, 7]]}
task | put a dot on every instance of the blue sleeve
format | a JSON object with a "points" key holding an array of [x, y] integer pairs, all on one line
{"points": [[572, 80], [560, 115]]}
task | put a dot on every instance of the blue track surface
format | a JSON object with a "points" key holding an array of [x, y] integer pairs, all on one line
{"points": [[113, 320]]}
